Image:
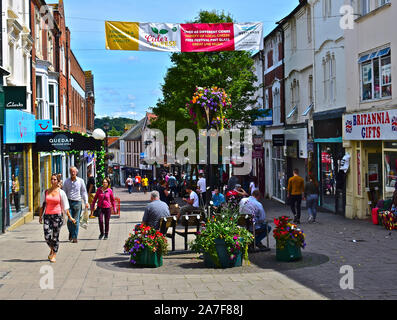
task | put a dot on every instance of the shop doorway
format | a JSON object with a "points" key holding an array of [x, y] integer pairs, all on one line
{"points": [[374, 176]]}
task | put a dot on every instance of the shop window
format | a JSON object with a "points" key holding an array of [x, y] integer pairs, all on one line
{"points": [[376, 75], [17, 183], [390, 172], [39, 97]]}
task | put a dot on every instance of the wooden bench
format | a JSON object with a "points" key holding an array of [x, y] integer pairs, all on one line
{"points": [[165, 224], [246, 221], [190, 225]]}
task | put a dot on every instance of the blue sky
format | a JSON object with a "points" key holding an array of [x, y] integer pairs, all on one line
{"points": [[128, 83]]}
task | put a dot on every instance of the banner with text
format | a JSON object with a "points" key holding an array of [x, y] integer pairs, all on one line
{"points": [[186, 37], [380, 125]]}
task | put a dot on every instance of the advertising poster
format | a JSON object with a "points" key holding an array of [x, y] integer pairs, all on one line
{"points": [[186, 37]]}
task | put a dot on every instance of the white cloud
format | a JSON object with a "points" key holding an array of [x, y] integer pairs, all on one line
{"points": [[132, 58], [131, 97]]}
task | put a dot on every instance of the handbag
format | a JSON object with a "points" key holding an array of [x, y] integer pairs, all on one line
{"points": [[96, 212]]}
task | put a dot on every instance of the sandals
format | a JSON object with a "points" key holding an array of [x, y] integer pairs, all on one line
{"points": [[53, 260]]}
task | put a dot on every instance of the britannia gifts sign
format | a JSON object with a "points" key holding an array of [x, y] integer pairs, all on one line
{"points": [[380, 125], [186, 37]]}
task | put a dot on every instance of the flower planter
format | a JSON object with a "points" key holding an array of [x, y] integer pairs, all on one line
{"points": [[291, 252], [147, 258], [223, 257]]}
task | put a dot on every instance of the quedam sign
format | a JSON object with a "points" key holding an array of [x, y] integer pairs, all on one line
{"points": [[381, 125]]}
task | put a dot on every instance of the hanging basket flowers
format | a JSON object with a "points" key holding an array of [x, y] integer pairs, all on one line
{"points": [[210, 104]]}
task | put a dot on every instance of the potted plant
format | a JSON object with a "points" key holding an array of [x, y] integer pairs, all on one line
{"points": [[146, 246], [289, 240], [223, 243]]}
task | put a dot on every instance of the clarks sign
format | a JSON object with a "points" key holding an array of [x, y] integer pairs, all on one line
{"points": [[381, 125], [65, 141], [15, 97]]}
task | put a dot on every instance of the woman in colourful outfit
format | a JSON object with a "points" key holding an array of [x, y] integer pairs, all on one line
{"points": [[53, 203], [106, 203]]}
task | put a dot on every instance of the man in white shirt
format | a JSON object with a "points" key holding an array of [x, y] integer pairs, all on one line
{"points": [[254, 207], [192, 202], [201, 188], [76, 192], [129, 183]]}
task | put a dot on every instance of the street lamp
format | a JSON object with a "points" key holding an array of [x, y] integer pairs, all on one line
{"points": [[106, 127]]}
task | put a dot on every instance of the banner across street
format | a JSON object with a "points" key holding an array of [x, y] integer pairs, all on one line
{"points": [[187, 37]]}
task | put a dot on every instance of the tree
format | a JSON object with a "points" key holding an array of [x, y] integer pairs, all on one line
{"points": [[232, 71]]}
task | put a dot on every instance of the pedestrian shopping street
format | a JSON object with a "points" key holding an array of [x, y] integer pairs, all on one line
{"points": [[98, 269]]}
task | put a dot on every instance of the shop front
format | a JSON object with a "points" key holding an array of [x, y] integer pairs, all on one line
{"points": [[296, 150], [279, 168], [329, 153], [18, 141], [371, 141]]}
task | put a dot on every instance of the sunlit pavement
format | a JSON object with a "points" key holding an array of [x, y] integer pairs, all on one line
{"points": [[98, 269]]}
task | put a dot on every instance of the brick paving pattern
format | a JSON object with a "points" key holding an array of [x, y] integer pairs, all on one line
{"points": [[96, 269]]}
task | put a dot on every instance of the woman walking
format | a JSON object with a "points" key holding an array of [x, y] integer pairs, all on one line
{"points": [[54, 202], [311, 195], [106, 203]]}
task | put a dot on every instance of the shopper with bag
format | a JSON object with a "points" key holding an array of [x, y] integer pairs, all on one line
{"points": [[106, 203], [54, 203]]}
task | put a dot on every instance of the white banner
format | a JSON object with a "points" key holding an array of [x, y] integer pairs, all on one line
{"points": [[380, 125]]}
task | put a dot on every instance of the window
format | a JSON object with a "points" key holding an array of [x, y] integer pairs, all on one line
{"points": [[329, 82], [390, 172], [270, 58], [50, 57], [38, 34], [293, 35], [11, 58], [327, 8], [39, 97], [64, 109], [53, 102], [276, 106], [383, 2], [309, 25], [365, 7], [376, 75]]}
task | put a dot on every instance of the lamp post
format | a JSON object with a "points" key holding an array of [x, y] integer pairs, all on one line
{"points": [[106, 128]]}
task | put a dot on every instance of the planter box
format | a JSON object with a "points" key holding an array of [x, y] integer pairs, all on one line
{"points": [[147, 258], [291, 252], [223, 257]]}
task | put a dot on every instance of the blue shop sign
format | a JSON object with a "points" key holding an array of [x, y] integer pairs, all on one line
{"points": [[265, 118], [19, 127], [44, 126]]}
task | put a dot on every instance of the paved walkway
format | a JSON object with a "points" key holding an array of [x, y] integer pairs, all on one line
{"points": [[98, 269]]}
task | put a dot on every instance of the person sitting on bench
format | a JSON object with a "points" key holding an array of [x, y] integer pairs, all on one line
{"points": [[253, 207], [192, 202]]}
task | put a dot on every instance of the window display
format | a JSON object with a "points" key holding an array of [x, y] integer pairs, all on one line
{"points": [[376, 75], [390, 172], [279, 172], [17, 183]]}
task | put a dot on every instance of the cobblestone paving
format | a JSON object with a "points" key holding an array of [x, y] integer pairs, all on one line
{"points": [[89, 270]]}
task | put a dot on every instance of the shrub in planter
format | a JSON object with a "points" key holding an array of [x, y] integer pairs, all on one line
{"points": [[146, 246], [289, 240], [222, 242]]}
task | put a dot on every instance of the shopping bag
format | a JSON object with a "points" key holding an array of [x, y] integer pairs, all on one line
{"points": [[84, 219]]}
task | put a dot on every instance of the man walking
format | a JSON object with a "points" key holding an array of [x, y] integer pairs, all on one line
{"points": [[129, 182], [296, 187], [76, 191]]}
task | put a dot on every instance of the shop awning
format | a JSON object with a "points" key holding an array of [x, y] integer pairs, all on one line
{"points": [[373, 55], [292, 112]]}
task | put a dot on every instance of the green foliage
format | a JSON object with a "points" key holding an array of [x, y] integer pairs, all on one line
{"points": [[100, 166], [117, 124], [223, 226], [231, 70]]}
